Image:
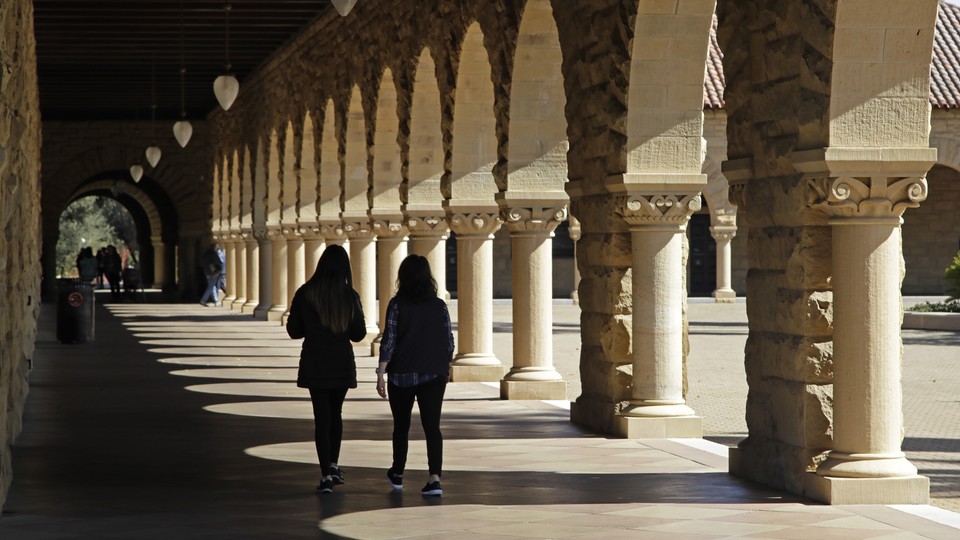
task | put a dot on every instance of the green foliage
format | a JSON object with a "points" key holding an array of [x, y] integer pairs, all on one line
{"points": [[92, 222], [952, 276], [938, 307]]}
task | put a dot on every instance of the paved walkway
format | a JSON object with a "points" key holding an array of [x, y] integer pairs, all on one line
{"points": [[184, 422]]}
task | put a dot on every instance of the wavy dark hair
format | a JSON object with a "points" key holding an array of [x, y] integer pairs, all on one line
{"points": [[330, 289], [415, 283]]}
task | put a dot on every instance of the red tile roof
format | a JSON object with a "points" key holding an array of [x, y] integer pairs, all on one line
{"points": [[944, 69]]}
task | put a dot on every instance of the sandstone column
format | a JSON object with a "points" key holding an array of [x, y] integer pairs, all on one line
{"points": [[391, 250], [723, 234], [253, 273], [313, 245], [428, 238], [240, 269], [475, 360], [363, 261], [296, 257], [278, 275], [865, 200], [575, 237], [657, 224], [264, 267], [533, 375], [159, 263]]}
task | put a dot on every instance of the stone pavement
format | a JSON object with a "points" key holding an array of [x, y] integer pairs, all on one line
{"points": [[184, 422]]}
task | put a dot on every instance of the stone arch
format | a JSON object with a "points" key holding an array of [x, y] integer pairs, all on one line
{"points": [[426, 161], [354, 181], [235, 190], [537, 145], [716, 194], [307, 169], [474, 123], [289, 179], [273, 169], [665, 115], [247, 201], [931, 233], [330, 171], [387, 173], [948, 150], [881, 71]]}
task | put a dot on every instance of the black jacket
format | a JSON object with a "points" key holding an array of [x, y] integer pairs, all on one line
{"points": [[326, 359]]}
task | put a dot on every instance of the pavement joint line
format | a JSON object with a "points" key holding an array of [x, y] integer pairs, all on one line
{"points": [[704, 445]]}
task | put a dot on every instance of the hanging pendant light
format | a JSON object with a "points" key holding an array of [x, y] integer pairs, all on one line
{"points": [[226, 87], [182, 130], [153, 155], [136, 172], [343, 7]]}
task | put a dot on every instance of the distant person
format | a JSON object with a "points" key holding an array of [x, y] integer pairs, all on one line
{"points": [[87, 265], [415, 354], [100, 255], [327, 313], [111, 270], [212, 269], [222, 280]]}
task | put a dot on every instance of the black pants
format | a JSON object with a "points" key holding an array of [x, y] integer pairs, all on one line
{"points": [[328, 424], [429, 397]]}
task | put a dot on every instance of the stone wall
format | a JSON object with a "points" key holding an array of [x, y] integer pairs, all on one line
{"points": [[19, 219], [778, 72]]}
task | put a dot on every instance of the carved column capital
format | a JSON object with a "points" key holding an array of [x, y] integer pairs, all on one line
{"points": [[389, 227], [260, 234], [358, 229], [872, 197], [428, 225], [331, 232], [658, 209], [293, 232], [475, 223], [533, 219], [722, 233]]}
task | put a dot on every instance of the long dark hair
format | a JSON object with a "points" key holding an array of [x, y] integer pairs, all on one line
{"points": [[330, 290], [415, 283]]}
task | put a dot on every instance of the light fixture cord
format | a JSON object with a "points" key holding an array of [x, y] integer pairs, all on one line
{"points": [[226, 11], [183, 69]]}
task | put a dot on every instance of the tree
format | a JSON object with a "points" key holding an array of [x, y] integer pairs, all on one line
{"points": [[91, 222]]}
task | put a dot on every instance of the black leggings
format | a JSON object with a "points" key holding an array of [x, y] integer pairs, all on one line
{"points": [[328, 424], [429, 397]]}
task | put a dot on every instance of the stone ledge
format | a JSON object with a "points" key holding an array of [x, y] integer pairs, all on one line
{"points": [[833, 490], [913, 320]]}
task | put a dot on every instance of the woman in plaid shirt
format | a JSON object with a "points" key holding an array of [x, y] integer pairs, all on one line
{"points": [[415, 353]]}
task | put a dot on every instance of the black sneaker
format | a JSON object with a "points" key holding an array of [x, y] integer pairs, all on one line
{"points": [[396, 480], [326, 486], [432, 489], [337, 474]]}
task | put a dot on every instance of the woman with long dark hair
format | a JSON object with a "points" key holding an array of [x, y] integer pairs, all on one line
{"points": [[416, 351], [326, 312]]}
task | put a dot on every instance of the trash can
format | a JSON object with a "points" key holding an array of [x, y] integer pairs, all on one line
{"points": [[74, 311]]}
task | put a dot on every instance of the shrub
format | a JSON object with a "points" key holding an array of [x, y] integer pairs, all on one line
{"points": [[939, 307], [952, 276]]}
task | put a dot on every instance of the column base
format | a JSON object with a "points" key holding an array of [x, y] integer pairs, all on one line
{"points": [[834, 490], [275, 313], [283, 319], [249, 308], [476, 372], [237, 305], [677, 427], [229, 300], [725, 296], [533, 390]]}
